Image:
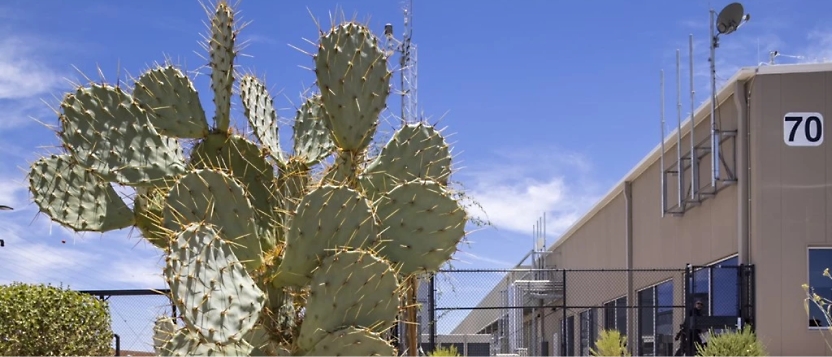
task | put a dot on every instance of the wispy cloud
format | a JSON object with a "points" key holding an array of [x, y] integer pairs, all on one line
{"points": [[528, 183], [26, 79]]}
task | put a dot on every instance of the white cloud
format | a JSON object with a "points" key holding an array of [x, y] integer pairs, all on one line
{"points": [[23, 74], [528, 183]]}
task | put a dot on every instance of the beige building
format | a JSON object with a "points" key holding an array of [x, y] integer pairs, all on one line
{"points": [[770, 207]]}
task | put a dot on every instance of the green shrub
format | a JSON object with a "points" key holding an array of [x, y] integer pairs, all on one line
{"points": [[43, 320], [732, 343], [610, 343], [445, 351]]}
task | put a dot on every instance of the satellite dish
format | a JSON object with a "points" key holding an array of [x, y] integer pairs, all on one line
{"points": [[730, 18]]}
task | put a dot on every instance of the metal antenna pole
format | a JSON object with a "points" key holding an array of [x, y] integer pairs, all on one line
{"points": [[714, 138]]}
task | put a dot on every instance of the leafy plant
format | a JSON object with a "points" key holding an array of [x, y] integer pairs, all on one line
{"points": [[445, 351], [262, 256], [823, 304], [732, 343], [43, 320], [610, 343]]}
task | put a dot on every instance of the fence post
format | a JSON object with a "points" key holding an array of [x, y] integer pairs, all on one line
{"points": [[432, 312], [687, 318], [563, 325]]}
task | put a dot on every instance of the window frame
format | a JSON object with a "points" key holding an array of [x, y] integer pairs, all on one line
{"points": [[710, 290], [809, 249], [590, 334], [619, 303], [654, 294]]}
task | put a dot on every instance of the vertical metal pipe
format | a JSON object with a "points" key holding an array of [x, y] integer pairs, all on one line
{"points": [[432, 311], [742, 170], [663, 175], [628, 217], [680, 194], [694, 162], [714, 138]]}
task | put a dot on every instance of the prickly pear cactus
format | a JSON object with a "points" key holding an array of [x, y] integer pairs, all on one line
{"points": [[261, 257]]}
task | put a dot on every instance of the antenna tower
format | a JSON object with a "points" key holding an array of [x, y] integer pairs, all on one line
{"points": [[407, 63], [722, 171]]}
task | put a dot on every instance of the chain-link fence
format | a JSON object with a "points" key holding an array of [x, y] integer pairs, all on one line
{"points": [[544, 312], [134, 313]]}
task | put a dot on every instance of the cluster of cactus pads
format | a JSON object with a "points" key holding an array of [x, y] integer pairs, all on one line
{"points": [[263, 254]]}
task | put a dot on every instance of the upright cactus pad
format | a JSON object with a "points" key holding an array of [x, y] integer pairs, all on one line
{"points": [[327, 218], [201, 196], [421, 226], [267, 251], [261, 115], [222, 52], [312, 139], [352, 73], [217, 297], [172, 103], [416, 151], [349, 288], [107, 130]]}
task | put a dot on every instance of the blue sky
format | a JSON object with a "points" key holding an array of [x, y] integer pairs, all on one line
{"points": [[549, 102]]}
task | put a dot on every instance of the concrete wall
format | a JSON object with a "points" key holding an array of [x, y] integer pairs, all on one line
{"points": [[791, 199]]}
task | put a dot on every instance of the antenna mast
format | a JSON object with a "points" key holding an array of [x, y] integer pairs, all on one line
{"points": [[407, 63]]}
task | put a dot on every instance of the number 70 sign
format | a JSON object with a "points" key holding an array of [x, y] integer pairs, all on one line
{"points": [[803, 129]]}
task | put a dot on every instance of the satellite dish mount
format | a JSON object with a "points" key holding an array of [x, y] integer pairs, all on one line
{"points": [[731, 18]]}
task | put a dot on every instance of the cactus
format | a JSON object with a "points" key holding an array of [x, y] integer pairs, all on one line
{"points": [[262, 257]]}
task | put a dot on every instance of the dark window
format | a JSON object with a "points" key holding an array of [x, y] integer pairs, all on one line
{"points": [[664, 319], [566, 328], [725, 288], [820, 259], [588, 331], [621, 315], [615, 315], [655, 326], [646, 321]]}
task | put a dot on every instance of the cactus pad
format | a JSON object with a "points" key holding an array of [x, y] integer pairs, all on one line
{"points": [[352, 341], [216, 198], [148, 205], [222, 52], [172, 102], [421, 226], [349, 288], [416, 151], [212, 289], [106, 130], [163, 331], [311, 137], [75, 197], [352, 74], [327, 218], [188, 344], [258, 106], [244, 161]]}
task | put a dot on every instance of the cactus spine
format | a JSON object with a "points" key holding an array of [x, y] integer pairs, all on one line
{"points": [[262, 258]]}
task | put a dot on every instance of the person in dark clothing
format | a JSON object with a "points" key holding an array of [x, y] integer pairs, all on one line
{"points": [[682, 335]]}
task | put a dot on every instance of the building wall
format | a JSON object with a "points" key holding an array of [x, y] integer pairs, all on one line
{"points": [[791, 194], [702, 235], [790, 199]]}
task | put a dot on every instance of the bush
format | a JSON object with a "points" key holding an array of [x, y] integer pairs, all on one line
{"points": [[610, 343], [732, 343], [445, 351], [42, 320]]}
